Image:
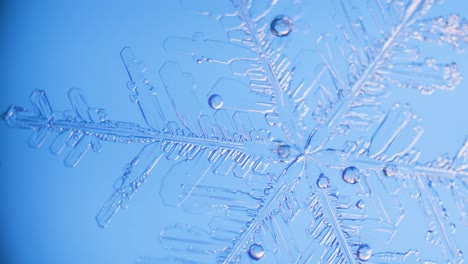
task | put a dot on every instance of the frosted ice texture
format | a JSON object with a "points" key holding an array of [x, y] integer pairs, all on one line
{"points": [[291, 154]]}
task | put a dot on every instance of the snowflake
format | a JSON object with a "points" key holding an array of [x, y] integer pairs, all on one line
{"points": [[286, 163]]}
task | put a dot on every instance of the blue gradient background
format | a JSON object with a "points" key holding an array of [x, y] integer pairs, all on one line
{"points": [[48, 210]]}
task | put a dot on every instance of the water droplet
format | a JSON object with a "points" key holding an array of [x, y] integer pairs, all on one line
{"points": [[390, 170], [323, 182], [351, 175], [360, 204], [281, 26], [283, 151], [215, 101], [256, 251], [364, 252]]}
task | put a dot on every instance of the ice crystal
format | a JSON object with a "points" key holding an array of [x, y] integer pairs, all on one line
{"points": [[292, 155]]}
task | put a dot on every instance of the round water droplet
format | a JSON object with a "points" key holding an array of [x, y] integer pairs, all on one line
{"points": [[281, 26], [323, 182], [215, 101], [364, 252], [351, 175], [283, 151], [360, 204], [390, 170], [256, 251]]}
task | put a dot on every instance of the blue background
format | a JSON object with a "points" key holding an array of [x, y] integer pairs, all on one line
{"points": [[48, 210]]}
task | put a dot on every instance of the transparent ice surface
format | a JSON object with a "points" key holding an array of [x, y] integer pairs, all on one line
{"points": [[257, 131]]}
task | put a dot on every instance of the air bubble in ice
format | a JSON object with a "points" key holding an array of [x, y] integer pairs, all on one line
{"points": [[323, 182], [283, 151], [215, 101], [281, 26], [351, 175], [256, 251], [360, 204], [364, 252]]}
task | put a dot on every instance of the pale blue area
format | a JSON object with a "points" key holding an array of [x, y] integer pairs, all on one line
{"points": [[48, 212]]}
